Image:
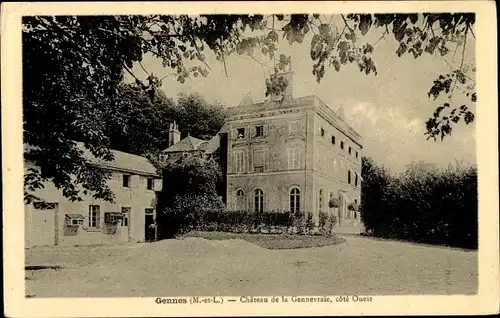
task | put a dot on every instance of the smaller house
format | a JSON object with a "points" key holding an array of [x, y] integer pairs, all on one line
{"points": [[215, 148], [188, 146], [59, 221]]}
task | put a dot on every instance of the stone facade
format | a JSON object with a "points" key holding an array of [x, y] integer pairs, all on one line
{"points": [[300, 145], [87, 222]]}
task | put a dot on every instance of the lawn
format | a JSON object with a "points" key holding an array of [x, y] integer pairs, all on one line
{"points": [[272, 241]]}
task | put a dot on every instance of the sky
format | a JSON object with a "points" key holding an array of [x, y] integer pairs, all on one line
{"points": [[389, 110]]}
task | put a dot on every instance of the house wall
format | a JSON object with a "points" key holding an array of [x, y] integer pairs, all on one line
{"points": [[283, 129], [332, 164], [323, 165], [276, 188], [137, 197]]}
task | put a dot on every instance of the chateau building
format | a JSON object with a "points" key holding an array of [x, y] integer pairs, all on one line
{"points": [[292, 154]]}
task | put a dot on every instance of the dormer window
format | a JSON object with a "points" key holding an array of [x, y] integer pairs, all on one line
{"points": [[333, 140], [240, 133], [341, 145], [350, 150], [163, 157], [322, 132]]}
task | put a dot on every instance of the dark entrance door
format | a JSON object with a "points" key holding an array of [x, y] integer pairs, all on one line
{"points": [[149, 228]]}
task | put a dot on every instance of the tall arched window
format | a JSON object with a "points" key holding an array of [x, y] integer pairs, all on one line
{"points": [[240, 199], [259, 200], [295, 200], [320, 201]]}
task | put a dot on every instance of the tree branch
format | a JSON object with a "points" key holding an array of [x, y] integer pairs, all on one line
{"points": [[472, 32], [383, 36], [164, 77], [346, 24], [463, 50], [253, 58], [145, 71], [331, 19], [133, 75], [199, 53]]}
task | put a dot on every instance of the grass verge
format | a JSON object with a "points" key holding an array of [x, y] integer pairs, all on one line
{"points": [[272, 241]]}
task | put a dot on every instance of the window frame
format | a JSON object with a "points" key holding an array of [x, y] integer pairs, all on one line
{"points": [[238, 135], [127, 177], [294, 123], [125, 210], [148, 180], [239, 158], [94, 209], [294, 200], [258, 204], [294, 158], [259, 168], [259, 128]]}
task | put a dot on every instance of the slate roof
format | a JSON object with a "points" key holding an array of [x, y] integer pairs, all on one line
{"points": [[123, 161], [187, 144], [213, 144]]}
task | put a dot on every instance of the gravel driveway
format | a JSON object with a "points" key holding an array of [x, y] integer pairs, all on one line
{"points": [[195, 266]]}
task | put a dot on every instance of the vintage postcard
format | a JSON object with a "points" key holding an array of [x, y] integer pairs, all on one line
{"points": [[250, 158]]}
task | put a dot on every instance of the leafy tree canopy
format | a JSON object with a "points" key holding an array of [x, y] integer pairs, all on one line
{"points": [[73, 67]]}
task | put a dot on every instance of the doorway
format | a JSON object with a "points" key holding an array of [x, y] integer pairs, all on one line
{"points": [[149, 226]]}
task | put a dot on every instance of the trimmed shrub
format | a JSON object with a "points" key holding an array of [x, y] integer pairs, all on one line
{"points": [[275, 222]]}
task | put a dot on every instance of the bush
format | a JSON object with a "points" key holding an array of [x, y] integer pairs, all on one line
{"points": [[256, 222], [423, 204], [189, 193], [187, 212], [326, 223]]}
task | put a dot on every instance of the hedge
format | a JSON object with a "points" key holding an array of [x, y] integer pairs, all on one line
{"points": [[275, 222], [423, 204]]}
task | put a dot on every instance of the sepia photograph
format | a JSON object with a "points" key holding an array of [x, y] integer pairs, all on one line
{"points": [[309, 158]]}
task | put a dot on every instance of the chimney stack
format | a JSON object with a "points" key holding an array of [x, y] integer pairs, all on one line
{"points": [[288, 76], [174, 135]]}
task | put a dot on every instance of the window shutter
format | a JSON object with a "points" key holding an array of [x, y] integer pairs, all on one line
{"points": [[251, 161], [301, 158], [289, 157], [266, 160], [86, 218], [232, 158], [265, 199], [98, 217], [247, 131], [253, 131], [266, 130], [244, 155]]}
